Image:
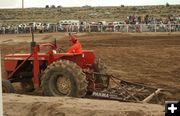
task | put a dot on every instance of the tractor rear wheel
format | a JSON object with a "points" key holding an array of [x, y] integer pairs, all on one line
{"points": [[64, 77], [101, 68], [7, 87]]}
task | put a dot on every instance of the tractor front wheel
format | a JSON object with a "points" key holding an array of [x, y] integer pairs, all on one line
{"points": [[7, 87], [64, 77]]}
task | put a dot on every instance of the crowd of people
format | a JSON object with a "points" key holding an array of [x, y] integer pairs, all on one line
{"points": [[131, 24]]}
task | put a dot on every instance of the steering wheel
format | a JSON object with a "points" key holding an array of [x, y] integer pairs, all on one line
{"points": [[59, 50]]}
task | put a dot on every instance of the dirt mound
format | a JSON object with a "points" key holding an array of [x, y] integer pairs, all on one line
{"points": [[23, 105]]}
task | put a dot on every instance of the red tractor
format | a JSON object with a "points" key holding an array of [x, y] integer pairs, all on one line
{"points": [[56, 72]]}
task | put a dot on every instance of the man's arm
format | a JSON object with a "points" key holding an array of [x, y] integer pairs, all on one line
{"points": [[72, 49]]}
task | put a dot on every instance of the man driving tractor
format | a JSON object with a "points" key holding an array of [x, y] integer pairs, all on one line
{"points": [[76, 47]]}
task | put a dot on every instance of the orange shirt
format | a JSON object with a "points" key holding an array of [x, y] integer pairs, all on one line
{"points": [[75, 48]]}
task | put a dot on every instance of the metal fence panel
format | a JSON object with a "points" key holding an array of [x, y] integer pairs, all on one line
{"points": [[95, 28]]}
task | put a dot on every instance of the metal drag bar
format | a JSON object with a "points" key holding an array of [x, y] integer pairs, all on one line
{"points": [[114, 96]]}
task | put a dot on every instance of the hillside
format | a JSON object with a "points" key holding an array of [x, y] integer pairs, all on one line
{"points": [[13, 16]]}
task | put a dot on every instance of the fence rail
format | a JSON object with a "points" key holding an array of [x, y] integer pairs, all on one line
{"points": [[95, 28]]}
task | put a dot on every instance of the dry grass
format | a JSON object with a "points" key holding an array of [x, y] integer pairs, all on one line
{"points": [[13, 16]]}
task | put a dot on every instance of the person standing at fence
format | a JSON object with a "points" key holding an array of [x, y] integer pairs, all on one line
{"points": [[76, 47], [4, 30]]}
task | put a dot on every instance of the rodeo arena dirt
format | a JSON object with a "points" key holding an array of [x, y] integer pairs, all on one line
{"points": [[150, 59], [127, 67]]}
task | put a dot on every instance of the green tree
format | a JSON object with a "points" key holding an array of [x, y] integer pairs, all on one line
{"points": [[53, 6], [47, 6], [167, 4], [122, 5], [59, 6]]}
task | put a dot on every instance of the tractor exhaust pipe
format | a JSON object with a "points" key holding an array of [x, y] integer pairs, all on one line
{"points": [[32, 32], [33, 43]]}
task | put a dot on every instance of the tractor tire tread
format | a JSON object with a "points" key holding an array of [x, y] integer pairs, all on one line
{"points": [[8, 86], [70, 67]]}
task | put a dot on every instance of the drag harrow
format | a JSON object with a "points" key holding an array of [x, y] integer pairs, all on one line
{"points": [[121, 90]]}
